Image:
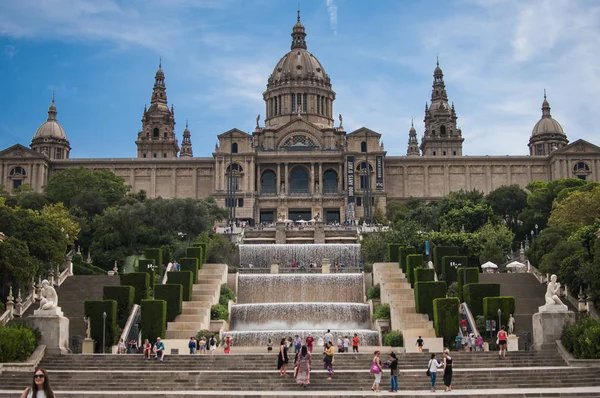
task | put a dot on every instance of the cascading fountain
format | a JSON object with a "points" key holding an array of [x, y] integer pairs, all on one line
{"points": [[274, 306], [264, 255]]}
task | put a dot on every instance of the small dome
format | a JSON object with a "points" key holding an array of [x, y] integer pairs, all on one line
{"points": [[298, 64], [547, 125], [51, 129]]}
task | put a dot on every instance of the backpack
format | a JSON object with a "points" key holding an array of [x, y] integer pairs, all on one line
{"points": [[212, 341]]}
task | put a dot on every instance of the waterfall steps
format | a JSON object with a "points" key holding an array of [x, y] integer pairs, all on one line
{"points": [[396, 291]]}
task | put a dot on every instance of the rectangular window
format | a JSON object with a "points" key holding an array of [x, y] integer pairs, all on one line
{"points": [[241, 202], [293, 103], [275, 104], [318, 105], [144, 155], [299, 101], [17, 183], [322, 105], [280, 109], [304, 103], [358, 201]]}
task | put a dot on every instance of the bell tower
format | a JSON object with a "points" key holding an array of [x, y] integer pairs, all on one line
{"points": [[157, 137]]}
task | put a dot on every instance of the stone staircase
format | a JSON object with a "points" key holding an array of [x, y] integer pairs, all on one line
{"points": [[195, 315], [396, 291]]}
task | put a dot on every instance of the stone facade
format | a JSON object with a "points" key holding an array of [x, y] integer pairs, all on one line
{"points": [[300, 164]]}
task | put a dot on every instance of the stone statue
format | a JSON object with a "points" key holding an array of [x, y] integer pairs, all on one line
{"points": [[341, 120], [257, 119], [49, 298], [318, 216], [88, 329], [511, 324], [552, 292]]}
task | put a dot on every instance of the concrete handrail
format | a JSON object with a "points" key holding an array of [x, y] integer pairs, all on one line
{"points": [[165, 277], [27, 366], [470, 318]]}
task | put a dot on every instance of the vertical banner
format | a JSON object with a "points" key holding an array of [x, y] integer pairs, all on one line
{"points": [[350, 182], [379, 173]]}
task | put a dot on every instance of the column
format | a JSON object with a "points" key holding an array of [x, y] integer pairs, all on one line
{"points": [[446, 180], [195, 182], [426, 181], [285, 180], [278, 179], [153, 183], [529, 176], [258, 187], [132, 179], [405, 181], [488, 178], [566, 161], [321, 178], [173, 182], [468, 177], [312, 178]]}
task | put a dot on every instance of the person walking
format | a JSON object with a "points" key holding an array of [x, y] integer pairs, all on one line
{"points": [[346, 343], [227, 345], [419, 344], [432, 368], [192, 345], [309, 342], [447, 370], [297, 344], [355, 341], [394, 373], [303, 372], [376, 371], [328, 337], [212, 343], [502, 343], [282, 358], [40, 386], [328, 359]]}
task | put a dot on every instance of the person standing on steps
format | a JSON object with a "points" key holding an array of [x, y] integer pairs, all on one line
{"points": [[447, 370], [328, 359], [328, 337], [40, 387], [227, 345], [309, 342], [303, 373], [394, 373], [355, 341], [192, 345], [346, 343], [419, 344], [297, 344], [212, 343], [282, 358], [376, 371], [502, 343], [432, 368]]}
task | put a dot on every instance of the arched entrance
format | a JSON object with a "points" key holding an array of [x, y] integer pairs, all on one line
{"points": [[299, 180]]}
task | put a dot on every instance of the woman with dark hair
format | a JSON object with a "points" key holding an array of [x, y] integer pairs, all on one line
{"points": [[328, 359], [375, 370], [40, 387], [447, 370], [303, 374], [282, 358], [432, 368]]}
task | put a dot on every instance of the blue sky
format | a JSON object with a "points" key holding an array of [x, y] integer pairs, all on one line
{"points": [[100, 57]]}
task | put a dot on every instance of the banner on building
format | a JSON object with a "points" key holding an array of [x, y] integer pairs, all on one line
{"points": [[350, 182], [379, 173]]}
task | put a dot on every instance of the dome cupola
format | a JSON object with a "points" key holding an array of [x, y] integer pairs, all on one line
{"points": [[50, 138], [547, 134]]}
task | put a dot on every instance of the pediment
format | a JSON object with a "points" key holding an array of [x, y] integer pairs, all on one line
{"points": [[19, 151], [580, 146], [362, 131], [299, 126], [235, 133]]}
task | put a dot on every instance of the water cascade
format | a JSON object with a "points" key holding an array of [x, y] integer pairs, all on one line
{"points": [[306, 254]]}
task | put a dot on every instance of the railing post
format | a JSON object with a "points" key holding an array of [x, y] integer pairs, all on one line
{"points": [[38, 289], [19, 304], [31, 289], [10, 304]]}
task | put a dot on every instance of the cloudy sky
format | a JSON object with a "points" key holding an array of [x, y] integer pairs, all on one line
{"points": [[100, 57]]}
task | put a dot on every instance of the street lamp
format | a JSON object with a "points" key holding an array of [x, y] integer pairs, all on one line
{"points": [[499, 319], [103, 331], [536, 230]]}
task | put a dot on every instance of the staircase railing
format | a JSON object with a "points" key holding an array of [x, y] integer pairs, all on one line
{"points": [[165, 277], [470, 319], [131, 331]]}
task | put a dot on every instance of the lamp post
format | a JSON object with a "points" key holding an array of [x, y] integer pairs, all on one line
{"points": [[499, 319], [103, 331], [536, 230]]}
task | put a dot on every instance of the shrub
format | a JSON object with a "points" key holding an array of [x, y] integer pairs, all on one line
{"points": [[197, 253], [219, 312], [393, 339], [87, 269], [173, 295], [183, 278], [480, 323], [190, 264], [504, 303], [204, 251], [154, 319], [226, 294], [157, 256], [94, 310], [147, 266], [452, 290], [124, 296], [450, 265], [425, 293], [17, 342], [2, 308], [381, 311], [413, 261], [374, 293], [403, 252], [472, 277], [440, 252], [424, 274], [586, 346], [393, 252], [445, 319], [474, 293], [140, 282]]}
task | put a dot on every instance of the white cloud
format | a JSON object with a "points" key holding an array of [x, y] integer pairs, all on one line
{"points": [[332, 10]]}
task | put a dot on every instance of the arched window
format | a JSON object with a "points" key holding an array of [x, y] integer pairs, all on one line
{"points": [[155, 132], [234, 147], [268, 182], [299, 143], [364, 175], [299, 180], [235, 167], [330, 182], [443, 131], [581, 170], [363, 146], [18, 172]]}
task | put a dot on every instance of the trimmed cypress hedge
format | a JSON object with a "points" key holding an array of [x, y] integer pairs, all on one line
{"points": [[183, 278], [445, 319], [492, 304], [393, 252], [173, 295], [140, 281], [403, 252], [474, 293], [449, 266], [204, 250], [424, 274], [472, 277], [440, 252], [124, 296], [95, 310], [413, 261], [190, 264], [157, 256], [473, 262], [425, 293], [148, 265], [197, 253], [154, 319]]}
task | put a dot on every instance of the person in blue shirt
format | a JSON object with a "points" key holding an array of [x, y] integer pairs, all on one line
{"points": [[458, 341], [159, 349]]}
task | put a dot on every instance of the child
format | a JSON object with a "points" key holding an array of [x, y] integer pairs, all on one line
{"points": [[269, 346]]}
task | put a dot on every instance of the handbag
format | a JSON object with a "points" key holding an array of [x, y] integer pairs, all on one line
{"points": [[374, 368], [428, 373], [327, 359]]}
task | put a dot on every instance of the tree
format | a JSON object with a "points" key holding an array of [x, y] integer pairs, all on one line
{"points": [[508, 201], [543, 194], [58, 215], [16, 264], [579, 208], [469, 218]]}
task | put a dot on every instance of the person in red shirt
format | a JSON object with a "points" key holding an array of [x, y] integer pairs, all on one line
{"points": [[355, 341], [502, 342], [309, 342]]}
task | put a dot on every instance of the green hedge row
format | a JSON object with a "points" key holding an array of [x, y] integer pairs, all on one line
{"points": [[94, 310], [183, 278], [424, 274], [445, 319], [190, 264], [474, 293], [504, 303], [393, 254], [403, 252], [440, 252], [173, 295], [204, 251], [449, 266], [425, 293], [17, 342], [157, 256], [148, 266], [472, 277], [124, 296], [140, 281], [154, 319], [413, 261], [197, 253]]}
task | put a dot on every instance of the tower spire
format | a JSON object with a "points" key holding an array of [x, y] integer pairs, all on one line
{"points": [[186, 143], [546, 107], [52, 109], [298, 34], [413, 143]]}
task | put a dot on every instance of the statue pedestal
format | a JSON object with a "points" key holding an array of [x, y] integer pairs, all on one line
{"points": [[54, 328], [548, 325], [87, 347], [275, 267], [513, 343]]}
